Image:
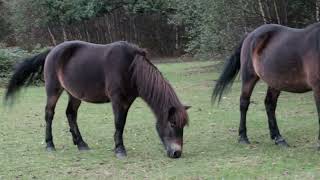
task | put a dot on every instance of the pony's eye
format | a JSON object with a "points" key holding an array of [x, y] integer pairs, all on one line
{"points": [[173, 124]]}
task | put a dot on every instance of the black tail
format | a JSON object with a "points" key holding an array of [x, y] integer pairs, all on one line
{"points": [[25, 71], [230, 71]]}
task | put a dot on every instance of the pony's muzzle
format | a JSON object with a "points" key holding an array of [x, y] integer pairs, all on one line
{"points": [[174, 150], [174, 154]]}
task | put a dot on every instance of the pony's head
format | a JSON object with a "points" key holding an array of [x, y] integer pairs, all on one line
{"points": [[170, 130], [160, 96]]}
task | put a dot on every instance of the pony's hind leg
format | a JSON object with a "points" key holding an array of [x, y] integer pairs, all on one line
{"points": [[271, 104], [317, 100], [52, 98], [248, 82], [71, 113]]}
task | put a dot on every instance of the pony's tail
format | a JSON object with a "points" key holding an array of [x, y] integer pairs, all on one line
{"points": [[230, 71], [25, 72]]}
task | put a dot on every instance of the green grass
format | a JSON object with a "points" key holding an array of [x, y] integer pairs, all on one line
{"points": [[210, 142]]}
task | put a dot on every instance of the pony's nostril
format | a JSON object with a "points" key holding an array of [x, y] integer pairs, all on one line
{"points": [[176, 154]]}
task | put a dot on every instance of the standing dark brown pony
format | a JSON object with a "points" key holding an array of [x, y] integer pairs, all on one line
{"points": [[116, 73], [286, 59]]}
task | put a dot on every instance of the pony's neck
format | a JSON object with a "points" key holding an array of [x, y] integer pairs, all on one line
{"points": [[161, 99], [153, 88]]}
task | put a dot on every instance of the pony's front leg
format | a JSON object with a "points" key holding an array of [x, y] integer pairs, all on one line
{"points": [[120, 111]]}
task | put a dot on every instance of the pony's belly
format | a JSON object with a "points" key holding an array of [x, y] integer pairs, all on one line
{"points": [[287, 85], [84, 80], [92, 95], [282, 75], [89, 96], [90, 91], [97, 100]]}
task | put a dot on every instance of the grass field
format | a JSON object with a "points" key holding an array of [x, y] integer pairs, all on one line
{"points": [[210, 142]]}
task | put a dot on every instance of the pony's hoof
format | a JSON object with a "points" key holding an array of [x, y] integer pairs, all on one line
{"points": [[244, 140], [50, 149], [83, 147], [281, 142], [120, 153]]}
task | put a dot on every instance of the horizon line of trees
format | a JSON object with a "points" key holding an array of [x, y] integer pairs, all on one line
{"points": [[211, 27]]}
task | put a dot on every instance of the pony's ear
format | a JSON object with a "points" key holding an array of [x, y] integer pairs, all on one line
{"points": [[187, 107]]}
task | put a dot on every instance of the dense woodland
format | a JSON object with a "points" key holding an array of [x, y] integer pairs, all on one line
{"points": [[170, 27]]}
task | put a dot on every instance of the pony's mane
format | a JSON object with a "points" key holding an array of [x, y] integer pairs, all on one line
{"points": [[156, 90]]}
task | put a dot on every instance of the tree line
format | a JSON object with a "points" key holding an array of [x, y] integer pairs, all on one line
{"points": [[210, 27]]}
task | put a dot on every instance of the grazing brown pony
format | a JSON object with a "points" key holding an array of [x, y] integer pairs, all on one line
{"points": [[287, 59], [118, 73]]}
